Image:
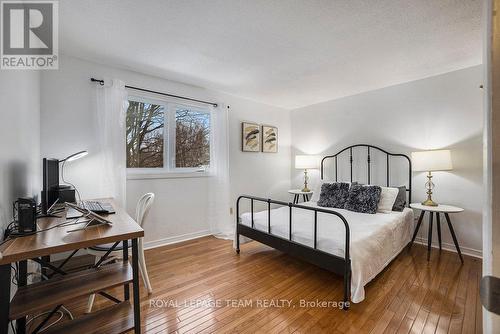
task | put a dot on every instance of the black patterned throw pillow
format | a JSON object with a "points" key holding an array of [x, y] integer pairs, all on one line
{"points": [[333, 195], [363, 199], [400, 202]]}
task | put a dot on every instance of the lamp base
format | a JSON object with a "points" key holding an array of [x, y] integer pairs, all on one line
{"points": [[429, 202], [429, 185], [306, 178]]}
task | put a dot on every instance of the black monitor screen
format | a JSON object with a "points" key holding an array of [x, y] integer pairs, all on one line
{"points": [[50, 182]]}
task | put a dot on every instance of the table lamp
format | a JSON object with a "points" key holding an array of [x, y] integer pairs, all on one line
{"points": [[306, 162], [431, 161]]}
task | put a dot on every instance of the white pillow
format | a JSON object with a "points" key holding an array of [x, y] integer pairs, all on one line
{"points": [[387, 199]]}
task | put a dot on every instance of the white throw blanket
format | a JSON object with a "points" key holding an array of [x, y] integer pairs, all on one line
{"points": [[376, 239]]}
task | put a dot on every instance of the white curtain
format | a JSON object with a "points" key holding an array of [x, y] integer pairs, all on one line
{"points": [[219, 218], [112, 104]]}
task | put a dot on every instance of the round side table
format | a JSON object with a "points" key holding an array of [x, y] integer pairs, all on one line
{"points": [[296, 195], [436, 210]]}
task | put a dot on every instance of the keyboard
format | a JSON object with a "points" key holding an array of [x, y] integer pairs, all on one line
{"points": [[97, 207]]}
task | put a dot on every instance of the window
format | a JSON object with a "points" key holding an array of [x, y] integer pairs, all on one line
{"points": [[192, 138], [145, 124], [166, 137]]}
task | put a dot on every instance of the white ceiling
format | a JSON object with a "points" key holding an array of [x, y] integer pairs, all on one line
{"points": [[284, 53]]}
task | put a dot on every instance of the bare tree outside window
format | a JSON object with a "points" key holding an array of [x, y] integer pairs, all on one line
{"points": [[145, 123], [187, 145], [192, 139]]}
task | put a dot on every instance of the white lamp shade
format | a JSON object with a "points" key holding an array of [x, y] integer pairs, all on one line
{"points": [[307, 161], [430, 161]]}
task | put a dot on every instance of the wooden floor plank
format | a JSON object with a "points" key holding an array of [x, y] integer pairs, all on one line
{"points": [[411, 294], [427, 272]]}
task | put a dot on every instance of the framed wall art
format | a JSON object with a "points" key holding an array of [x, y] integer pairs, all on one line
{"points": [[269, 139], [250, 137]]}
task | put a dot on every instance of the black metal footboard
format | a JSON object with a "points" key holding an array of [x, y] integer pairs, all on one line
{"points": [[336, 264]]}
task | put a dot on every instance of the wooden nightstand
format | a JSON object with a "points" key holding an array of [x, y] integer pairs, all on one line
{"points": [[444, 209], [296, 195]]}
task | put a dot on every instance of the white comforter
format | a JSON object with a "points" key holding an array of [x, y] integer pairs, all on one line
{"points": [[376, 239]]}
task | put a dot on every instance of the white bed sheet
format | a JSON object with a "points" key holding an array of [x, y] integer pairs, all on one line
{"points": [[376, 239]]}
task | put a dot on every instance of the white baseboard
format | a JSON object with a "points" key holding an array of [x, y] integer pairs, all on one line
{"points": [[189, 236], [176, 239], [451, 247]]}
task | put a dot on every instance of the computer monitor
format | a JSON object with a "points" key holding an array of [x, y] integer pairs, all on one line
{"points": [[50, 183]]}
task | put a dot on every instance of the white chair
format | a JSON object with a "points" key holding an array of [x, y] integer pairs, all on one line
{"points": [[141, 211]]}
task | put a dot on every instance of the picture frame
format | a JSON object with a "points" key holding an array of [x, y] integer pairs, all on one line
{"points": [[250, 137], [269, 139]]}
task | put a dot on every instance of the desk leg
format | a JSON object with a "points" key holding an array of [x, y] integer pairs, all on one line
{"points": [[429, 238], [126, 288], [23, 280], [4, 297], [137, 301]]}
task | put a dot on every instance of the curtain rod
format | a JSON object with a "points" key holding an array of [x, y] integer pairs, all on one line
{"points": [[101, 82]]}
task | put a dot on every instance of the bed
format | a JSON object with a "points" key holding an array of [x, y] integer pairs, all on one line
{"points": [[354, 245]]}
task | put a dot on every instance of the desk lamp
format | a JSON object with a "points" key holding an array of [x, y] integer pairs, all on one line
{"points": [[72, 157], [75, 156]]}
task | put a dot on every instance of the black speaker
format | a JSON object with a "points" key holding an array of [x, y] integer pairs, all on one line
{"points": [[26, 214], [66, 193]]}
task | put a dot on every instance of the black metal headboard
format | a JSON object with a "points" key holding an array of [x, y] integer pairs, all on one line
{"points": [[388, 154]]}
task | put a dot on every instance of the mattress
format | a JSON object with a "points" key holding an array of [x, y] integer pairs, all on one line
{"points": [[376, 239]]}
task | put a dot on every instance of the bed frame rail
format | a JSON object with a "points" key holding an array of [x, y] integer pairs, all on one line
{"points": [[369, 162], [330, 262]]}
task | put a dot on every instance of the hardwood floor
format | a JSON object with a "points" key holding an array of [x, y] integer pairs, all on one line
{"points": [[411, 295]]}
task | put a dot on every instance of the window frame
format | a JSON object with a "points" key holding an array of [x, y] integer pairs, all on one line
{"points": [[169, 132]]}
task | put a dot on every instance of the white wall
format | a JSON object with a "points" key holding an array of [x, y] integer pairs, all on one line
{"points": [[20, 165], [438, 112], [19, 139], [67, 125]]}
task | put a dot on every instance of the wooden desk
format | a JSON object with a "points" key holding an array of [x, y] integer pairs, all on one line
{"points": [[58, 240]]}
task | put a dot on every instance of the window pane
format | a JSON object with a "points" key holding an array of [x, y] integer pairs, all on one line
{"points": [[145, 123], [192, 138]]}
